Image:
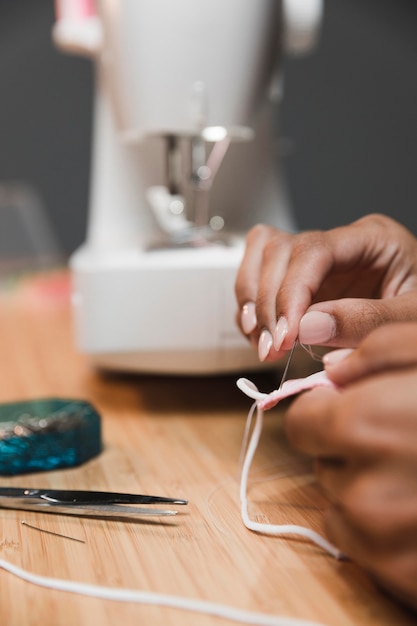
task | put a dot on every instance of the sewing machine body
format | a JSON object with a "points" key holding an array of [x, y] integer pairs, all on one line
{"points": [[153, 282]]}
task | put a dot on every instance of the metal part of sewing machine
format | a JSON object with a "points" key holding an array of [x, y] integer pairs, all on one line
{"points": [[85, 503], [184, 162]]}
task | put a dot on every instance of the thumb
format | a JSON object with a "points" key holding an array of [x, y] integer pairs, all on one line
{"points": [[344, 323], [390, 348]]}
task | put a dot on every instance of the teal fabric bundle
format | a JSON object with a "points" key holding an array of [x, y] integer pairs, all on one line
{"points": [[47, 434]]}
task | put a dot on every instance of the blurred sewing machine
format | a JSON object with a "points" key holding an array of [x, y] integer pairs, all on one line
{"points": [[184, 162]]}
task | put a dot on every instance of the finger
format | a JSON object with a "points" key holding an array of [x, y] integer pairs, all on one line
{"points": [[381, 501], [258, 279], [375, 525], [344, 323], [397, 574], [247, 283], [243, 322], [379, 498], [322, 265], [368, 420], [312, 424], [276, 255], [247, 279], [394, 569], [334, 475], [390, 347], [374, 257]]}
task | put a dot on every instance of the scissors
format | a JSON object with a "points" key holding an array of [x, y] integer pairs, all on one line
{"points": [[85, 503]]}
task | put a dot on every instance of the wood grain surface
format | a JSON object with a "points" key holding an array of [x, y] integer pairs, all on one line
{"points": [[167, 436]]}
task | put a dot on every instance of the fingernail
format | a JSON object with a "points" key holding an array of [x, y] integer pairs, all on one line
{"points": [[335, 356], [317, 328], [280, 332], [248, 318], [264, 344]]}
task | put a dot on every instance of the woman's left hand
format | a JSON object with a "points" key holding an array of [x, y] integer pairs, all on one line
{"points": [[364, 443]]}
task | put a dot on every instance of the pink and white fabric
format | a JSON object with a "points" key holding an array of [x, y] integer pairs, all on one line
{"points": [[289, 388]]}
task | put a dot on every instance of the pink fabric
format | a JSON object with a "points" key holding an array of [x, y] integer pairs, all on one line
{"points": [[292, 387], [289, 388]]}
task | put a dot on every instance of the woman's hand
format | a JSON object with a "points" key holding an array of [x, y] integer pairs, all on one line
{"points": [[329, 288], [364, 443]]}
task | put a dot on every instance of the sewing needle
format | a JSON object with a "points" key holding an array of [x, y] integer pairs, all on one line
{"points": [[50, 532], [284, 376]]}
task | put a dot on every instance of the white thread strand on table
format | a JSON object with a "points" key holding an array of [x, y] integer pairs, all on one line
{"points": [[272, 529], [159, 599]]}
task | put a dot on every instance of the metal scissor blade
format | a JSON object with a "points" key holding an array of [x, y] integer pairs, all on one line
{"points": [[77, 497], [90, 503], [90, 510]]}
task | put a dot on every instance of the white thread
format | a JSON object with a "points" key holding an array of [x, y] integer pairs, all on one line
{"points": [[246, 435], [269, 529], [310, 351], [159, 599]]}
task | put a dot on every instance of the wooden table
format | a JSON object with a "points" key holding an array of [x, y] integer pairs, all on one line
{"points": [[170, 436]]}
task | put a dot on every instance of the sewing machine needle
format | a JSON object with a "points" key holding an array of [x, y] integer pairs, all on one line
{"points": [[284, 375]]}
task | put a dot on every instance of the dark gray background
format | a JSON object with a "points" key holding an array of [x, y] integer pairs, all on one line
{"points": [[350, 113]]}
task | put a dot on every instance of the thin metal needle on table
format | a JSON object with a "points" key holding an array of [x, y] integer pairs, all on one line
{"points": [[50, 532]]}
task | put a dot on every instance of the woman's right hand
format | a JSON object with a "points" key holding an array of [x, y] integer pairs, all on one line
{"points": [[329, 288]]}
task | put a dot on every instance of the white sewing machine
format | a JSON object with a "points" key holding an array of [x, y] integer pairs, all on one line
{"points": [[184, 162]]}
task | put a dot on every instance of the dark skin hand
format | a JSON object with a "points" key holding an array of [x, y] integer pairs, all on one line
{"points": [[330, 288], [363, 439]]}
